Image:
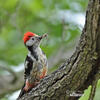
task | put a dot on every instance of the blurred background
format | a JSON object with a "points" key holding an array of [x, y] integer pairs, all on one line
{"points": [[63, 20]]}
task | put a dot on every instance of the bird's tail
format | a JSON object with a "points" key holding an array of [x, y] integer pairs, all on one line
{"points": [[22, 92]]}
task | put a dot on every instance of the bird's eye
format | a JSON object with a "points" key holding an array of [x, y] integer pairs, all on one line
{"points": [[32, 38]]}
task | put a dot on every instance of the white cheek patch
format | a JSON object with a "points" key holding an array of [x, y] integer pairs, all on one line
{"points": [[29, 43]]}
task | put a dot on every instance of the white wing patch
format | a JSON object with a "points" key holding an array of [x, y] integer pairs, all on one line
{"points": [[26, 64]]}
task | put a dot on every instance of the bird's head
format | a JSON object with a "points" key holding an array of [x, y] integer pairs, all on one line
{"points": [[31, 39]]}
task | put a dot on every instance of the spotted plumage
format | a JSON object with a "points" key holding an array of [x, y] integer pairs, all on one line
{"points": [[35, 62]]}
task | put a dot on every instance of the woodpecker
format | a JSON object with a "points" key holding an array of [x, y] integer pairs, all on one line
{"points": [[35, 62]]}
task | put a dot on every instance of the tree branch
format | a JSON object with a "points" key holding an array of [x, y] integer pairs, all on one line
{"points": [[77, 73]]}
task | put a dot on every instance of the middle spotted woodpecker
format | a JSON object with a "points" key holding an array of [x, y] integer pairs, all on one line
{"points": [[35, 63]]}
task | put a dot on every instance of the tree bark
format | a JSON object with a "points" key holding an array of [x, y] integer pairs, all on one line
{"points": [[78, 72]]}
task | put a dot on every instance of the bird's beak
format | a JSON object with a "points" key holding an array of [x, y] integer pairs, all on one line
{"points": [[43, 36]]}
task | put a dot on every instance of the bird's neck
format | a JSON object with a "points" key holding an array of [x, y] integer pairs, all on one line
{"points": [[34, 52]]}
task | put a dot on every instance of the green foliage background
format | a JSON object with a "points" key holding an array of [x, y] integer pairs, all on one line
{"points": [[20, 16], [38, 16]]}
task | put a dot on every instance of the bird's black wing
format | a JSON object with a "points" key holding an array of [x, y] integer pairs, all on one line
{"points": [[28, 66]]}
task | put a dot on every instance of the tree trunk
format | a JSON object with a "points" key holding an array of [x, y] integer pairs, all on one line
{"points": [[81, 70]]}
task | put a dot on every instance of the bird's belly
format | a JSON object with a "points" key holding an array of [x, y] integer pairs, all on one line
{"points": [[38, 72]]}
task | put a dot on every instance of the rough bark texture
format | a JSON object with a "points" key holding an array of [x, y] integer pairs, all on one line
{"points": [[77, 73]]}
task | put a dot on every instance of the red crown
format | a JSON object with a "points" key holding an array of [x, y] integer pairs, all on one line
{"points": [[27, 36]]}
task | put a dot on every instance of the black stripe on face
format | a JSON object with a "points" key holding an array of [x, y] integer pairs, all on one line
{"points": [[29, 66]]}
